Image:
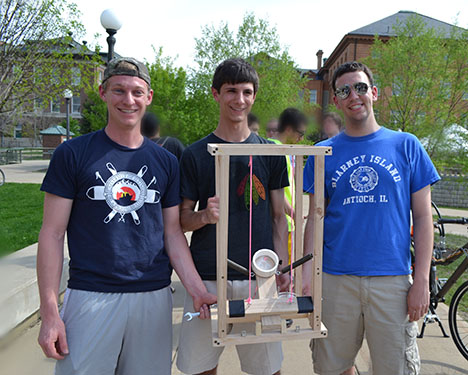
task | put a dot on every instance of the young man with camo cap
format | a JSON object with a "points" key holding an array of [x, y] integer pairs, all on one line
{"points": [[116, 195]]}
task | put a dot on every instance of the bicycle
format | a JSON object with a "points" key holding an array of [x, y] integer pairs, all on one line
{"points": [[458, 310], [2, 177]]}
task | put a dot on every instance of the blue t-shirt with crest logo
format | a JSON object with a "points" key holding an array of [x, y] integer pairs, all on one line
{"points": [[368, 185]]}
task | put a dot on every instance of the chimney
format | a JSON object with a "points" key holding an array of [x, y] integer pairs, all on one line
{"points": [[319, 58]]}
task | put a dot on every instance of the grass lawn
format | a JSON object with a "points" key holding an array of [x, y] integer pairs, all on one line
{"points": [[20, 216], [453, 241]]}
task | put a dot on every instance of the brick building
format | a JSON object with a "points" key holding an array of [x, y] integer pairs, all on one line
{"points": [[355, 46], [87, 69]]}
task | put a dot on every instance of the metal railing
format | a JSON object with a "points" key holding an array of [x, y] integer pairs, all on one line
{"points": [[16, 155]]}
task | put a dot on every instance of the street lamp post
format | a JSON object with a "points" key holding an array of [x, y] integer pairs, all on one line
{"points": [[111, 23], [68, 94]]}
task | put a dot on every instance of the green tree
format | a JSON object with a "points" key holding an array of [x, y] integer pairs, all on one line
{"points": [[422, 74], [257, 42], [94, 113], [169, 84], [37, 53], [75, 126]]}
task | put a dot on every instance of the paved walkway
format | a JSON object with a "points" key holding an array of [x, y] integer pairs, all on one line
{"points": [[439, 355], [29, 171]]}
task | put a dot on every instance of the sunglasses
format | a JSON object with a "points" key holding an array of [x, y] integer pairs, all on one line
{"points": [[359, 88]]}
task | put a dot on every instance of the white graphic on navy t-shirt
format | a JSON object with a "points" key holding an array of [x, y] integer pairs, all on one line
{"points": [[124, 192]]}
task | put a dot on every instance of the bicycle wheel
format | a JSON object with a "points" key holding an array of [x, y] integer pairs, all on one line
{"points": [[2, 177], [458, 319]]}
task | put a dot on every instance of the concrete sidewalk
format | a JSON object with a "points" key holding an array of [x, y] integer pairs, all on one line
{"points": [[21, 355], [29, 171], [439, 355]]}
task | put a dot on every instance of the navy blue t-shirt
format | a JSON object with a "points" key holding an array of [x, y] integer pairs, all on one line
{"points": [[115, 232]]}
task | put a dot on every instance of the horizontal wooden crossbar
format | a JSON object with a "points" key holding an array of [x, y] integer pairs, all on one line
{"points": [[266, 149]]}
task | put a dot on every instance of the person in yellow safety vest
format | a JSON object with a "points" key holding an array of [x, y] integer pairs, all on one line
{"points": [[292, 126]]}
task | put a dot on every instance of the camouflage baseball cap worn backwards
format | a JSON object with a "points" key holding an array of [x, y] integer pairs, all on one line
{"points": [[127, 66]]}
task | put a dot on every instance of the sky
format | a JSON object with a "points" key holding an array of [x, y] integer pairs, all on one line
{"points": [[304, 27]]}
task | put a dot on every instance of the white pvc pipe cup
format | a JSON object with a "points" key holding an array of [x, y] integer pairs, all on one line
{"points": [[265, 263]]}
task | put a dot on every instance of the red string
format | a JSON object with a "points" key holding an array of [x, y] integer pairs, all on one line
{"points": [[293, 228], [250, 233]]}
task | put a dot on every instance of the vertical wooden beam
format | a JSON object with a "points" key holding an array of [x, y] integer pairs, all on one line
{"points": [[299, 221], [222, 191], [319, 199]]}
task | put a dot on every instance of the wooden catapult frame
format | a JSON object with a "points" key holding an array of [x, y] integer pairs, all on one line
{"points": [[269, 313]]}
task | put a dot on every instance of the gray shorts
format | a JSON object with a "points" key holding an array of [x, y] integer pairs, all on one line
{"points": [[196, 353], [117, 333], [374, 306]]}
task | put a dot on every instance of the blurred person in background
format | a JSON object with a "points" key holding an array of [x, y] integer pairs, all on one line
{"points": [[150, 128], [252, 123]]}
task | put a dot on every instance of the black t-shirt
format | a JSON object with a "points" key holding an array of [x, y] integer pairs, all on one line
{"points": [[172, 145], [115, 231], [198, 184]]}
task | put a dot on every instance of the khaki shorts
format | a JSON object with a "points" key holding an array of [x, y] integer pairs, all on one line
{"points": [[196, 353], [117, 333], [375, 306]]}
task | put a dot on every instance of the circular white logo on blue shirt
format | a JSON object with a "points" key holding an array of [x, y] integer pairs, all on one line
{"points": [[364, 179]]}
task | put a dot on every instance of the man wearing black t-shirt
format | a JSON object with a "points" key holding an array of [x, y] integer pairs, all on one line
{"points": [[116, 195], [150, 128], [234, 87]]}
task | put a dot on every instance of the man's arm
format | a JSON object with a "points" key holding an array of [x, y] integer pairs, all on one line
{"points": [[52, 336], [418, 295], [191, 220], [308, 248], [280, 234], [181, 260], [288, 209]]}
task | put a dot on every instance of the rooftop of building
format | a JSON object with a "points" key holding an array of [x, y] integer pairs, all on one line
{"points": [[56, 130], [385, 26]]}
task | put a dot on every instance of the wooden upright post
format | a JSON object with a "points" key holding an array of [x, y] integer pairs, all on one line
{"points": [[222, 191], [319, 183], [299, 221]]}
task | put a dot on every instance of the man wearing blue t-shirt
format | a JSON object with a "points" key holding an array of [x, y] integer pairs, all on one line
{"points": [[374, 180], [116, 195]]}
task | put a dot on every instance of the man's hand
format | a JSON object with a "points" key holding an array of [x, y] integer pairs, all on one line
{"points": [[53, 338], [283, 281], [418, 300], [202, 304], [211, 212]]}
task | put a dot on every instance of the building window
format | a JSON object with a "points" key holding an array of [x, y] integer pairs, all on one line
{"points": [[55, 76], [76, 76], [55, 106], [18, 131], [38, 105], [100, 76], [76, 104], [313, 96]]}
